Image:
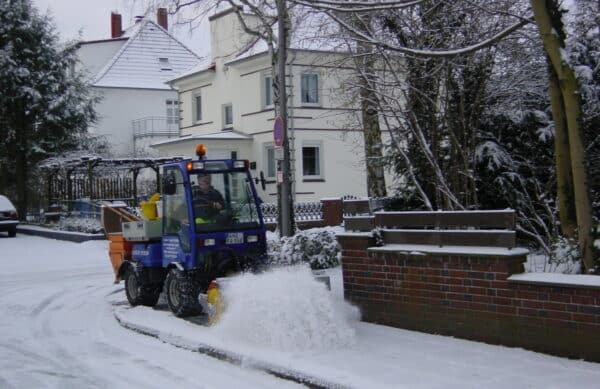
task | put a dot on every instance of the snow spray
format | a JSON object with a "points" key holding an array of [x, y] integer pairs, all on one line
{"points": [[286, 309]]}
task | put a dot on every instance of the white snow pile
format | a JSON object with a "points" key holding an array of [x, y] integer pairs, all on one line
{"points": [[79, 224], [286, 309], [316, 246]]}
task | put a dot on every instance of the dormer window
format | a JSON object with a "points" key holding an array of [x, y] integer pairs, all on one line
{"points": [[164, 64]]}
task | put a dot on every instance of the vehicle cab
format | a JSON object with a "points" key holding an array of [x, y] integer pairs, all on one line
{"points": [[211, 216]]}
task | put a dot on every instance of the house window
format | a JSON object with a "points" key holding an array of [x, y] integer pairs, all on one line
{"points": [[172, 112], [269, 160], [227, 115], [164, 64], [197, 107], [310, 88], [268, 90], [311, 160]]}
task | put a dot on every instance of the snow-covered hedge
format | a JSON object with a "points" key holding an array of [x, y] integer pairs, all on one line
{"points": [[79, 224], [317, 247]]}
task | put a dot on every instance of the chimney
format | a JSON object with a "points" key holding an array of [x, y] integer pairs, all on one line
{"points": [[116, 28], [161, 18]]}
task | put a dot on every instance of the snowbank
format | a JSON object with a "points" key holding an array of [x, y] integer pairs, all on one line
{"points": [[286, 310]]}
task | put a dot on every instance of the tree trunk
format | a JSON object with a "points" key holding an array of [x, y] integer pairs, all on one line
{"points": [[572, 112], [564, 178], [21, 169], [373, 146]]}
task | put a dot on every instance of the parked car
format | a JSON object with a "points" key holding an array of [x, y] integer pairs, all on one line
{"points": [[8, 217]]}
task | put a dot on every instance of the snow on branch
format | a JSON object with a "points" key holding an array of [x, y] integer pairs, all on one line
{"points": [[357, 6], [430, 53]]}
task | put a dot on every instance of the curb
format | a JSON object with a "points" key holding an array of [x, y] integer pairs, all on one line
{"points": [[234, 358], [59, 235]]}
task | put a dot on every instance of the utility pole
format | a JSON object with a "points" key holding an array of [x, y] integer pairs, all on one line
{"points": [[286, 204]]}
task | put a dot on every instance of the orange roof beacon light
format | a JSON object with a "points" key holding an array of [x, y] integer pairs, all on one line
{"points": [[201, 151]]}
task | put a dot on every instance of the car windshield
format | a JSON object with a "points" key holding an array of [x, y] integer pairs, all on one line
{"points": [[223, 201]]}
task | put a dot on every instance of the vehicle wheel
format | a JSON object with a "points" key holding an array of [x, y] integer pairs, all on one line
{"points": [[182, 294], [12, 233], [138, 293]]}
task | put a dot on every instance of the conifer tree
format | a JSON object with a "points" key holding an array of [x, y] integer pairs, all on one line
{"points": [[45, 107]]}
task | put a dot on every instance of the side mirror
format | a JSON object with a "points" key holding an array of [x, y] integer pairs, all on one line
{"points": [[262, 181], [169, 184]]}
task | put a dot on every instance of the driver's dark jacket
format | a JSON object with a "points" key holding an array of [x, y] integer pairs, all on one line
{"points": [[203, 203]]}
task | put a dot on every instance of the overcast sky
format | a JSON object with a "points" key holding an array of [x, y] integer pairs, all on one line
{"points": [[91, 18]]}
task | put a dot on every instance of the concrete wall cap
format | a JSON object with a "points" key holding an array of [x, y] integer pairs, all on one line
{"points": [[451, 250]]}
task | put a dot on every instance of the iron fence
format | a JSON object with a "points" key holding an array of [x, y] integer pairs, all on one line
{"points": [[303, 211], [269, 211], [308, 211]]}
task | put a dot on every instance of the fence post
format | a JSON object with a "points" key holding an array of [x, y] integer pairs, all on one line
{"points": [[332, 211]]}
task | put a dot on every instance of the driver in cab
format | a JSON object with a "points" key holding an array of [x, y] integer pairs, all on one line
{"points": [[208, 201]]}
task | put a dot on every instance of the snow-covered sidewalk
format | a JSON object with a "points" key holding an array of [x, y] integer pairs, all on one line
{"points": [[377, 357]]}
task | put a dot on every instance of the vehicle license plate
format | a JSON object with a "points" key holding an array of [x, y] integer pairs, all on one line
{"points": [[235, 238]]}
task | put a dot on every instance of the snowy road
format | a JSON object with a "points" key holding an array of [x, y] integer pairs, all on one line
{"points": [[58, 329]]}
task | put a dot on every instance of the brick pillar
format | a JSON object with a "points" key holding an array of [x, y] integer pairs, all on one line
{"points": [[354, 260], [332, 212]]}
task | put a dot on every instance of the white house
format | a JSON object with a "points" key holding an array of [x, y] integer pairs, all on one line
{"points": [[129, 71], [227, 104]]}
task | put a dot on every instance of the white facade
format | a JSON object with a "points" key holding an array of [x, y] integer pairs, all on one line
{"points": [[121, 107], [328, 155], [129, 73]]}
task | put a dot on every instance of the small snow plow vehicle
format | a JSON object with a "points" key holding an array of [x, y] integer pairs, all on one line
{"points": [[208, 225]]}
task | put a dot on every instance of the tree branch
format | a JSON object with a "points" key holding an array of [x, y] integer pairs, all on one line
{"points": [[431, 53]]}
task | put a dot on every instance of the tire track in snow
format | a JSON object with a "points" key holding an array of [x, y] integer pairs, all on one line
{"points": [[59, 330]]}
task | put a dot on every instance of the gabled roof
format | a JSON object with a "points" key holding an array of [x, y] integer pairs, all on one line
{"points": [[202, 66], [137, 64]]}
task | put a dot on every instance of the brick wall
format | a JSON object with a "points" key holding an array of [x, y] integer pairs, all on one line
{"points": [[470, 297]]}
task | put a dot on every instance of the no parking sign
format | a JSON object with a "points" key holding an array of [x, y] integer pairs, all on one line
{"points": [[278, 131]]}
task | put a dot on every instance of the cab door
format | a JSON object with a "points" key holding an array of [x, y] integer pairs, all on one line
{"points": [[177, 229]]}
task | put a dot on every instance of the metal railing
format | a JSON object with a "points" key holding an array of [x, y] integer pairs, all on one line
{"points": [[308, 211], [303, 211], [155, 126]]}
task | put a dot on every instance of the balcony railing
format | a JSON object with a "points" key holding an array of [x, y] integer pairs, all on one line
{"points": [[155, 126]]}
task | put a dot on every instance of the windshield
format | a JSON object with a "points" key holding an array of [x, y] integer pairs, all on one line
{"points": [[223, 201]]}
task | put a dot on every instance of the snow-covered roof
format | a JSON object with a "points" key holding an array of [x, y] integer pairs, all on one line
{"points": [[221, 135], [149, 58], [204, 65]]}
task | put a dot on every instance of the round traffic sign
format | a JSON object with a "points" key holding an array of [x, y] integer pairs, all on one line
{"points": [[278, 131]]}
